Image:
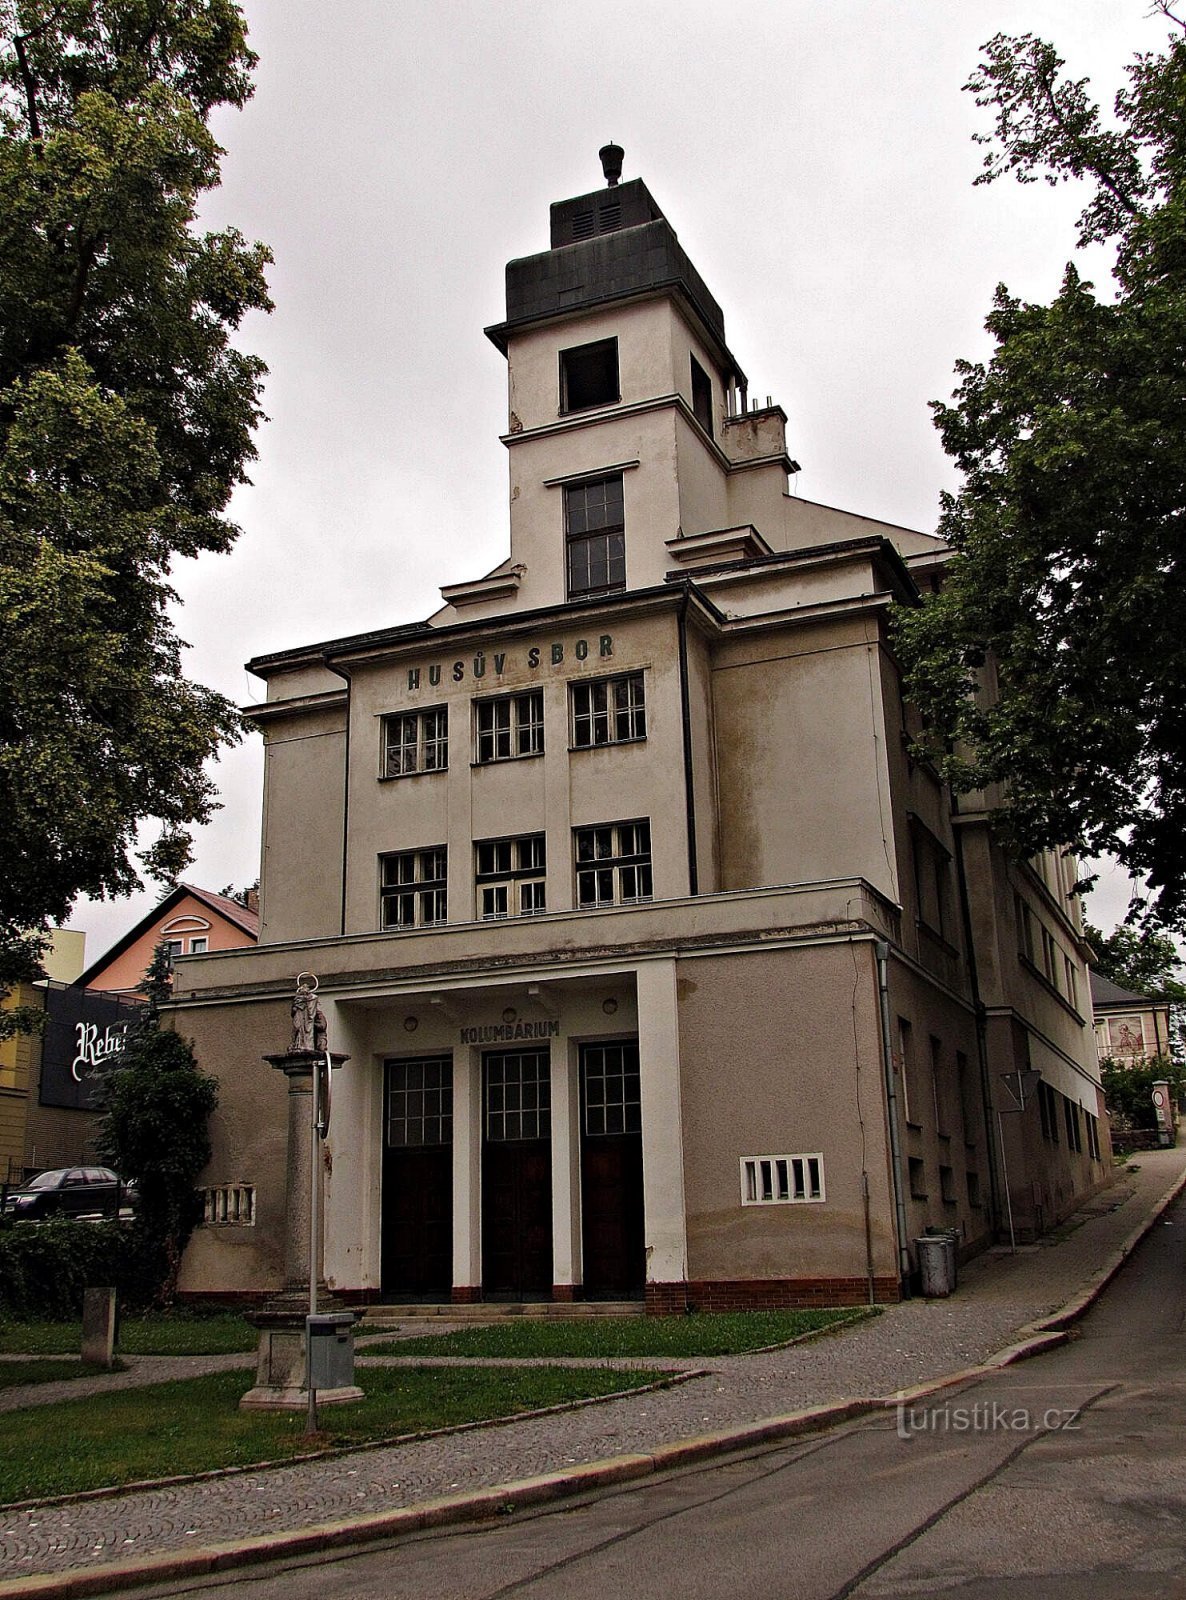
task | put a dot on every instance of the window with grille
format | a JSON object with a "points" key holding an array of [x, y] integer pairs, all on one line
{"points": [[595, 535], [509, 726], [511, 876], [613, 864], [228, 1205], [612, 1088], [782, 1180], [415, 741], [518, 1095], [413, 888], [589, 376], [608, 710], [420, 1102]]}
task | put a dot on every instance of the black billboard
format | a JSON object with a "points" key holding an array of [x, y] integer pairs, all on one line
{"points": [[86, 1033]]}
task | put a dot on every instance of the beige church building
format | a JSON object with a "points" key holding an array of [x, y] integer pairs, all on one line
{"points": [[664, 968]]}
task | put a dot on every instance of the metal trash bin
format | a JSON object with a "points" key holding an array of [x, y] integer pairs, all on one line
{"points": [[331, 1349], [936, 1264]]}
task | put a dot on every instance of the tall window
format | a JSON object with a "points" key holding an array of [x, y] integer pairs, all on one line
{"points": [[589, 376], [613, 864], [595, 536], [413, 889], [518, 1095], [420, 1101], [701, 396], [613, 1088], [609, 711], [510, 874], [416, 741], [509, 726]]}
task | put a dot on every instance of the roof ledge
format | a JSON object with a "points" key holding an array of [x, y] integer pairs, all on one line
{"points": [[693, 550]]}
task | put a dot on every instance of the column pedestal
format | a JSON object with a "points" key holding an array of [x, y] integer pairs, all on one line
{"points": [[281, 1376]]}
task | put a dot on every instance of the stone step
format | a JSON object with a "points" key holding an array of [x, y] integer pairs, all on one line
{"points": [[497, 1311]]}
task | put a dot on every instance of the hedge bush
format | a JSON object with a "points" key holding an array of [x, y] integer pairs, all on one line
{"points": [[45, 1266]]}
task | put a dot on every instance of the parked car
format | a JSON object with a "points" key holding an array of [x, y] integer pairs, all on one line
{"points": [[70, 1192]]}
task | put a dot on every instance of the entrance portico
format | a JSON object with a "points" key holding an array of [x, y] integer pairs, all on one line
{"points": [[513, 1140]]}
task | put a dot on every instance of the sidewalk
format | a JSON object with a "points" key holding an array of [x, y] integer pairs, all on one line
{"points": [[917, 1343]]}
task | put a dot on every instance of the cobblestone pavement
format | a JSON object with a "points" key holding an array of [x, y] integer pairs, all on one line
{"points": [[908, 1344]]}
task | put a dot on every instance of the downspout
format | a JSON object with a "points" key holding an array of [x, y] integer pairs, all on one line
{"points": [[686, 723], [990, 1145], [349, 682], [891, 1101]]}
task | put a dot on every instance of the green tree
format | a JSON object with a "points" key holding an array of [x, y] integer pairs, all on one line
{"points": [[1049, 670], [126, 420], [1139, 959], [154, 1130], [1128, 1090]]}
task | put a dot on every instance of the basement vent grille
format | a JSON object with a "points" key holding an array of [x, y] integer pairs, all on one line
{"points": [[782, 1180]]}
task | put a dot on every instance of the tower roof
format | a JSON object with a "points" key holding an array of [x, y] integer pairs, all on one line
{"points": [[609, 245]]}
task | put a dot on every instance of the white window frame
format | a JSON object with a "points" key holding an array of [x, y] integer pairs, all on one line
{"points": [[514, 727], [513, 880], [414, 742], [413, 889], [783, 1180], [620, 868], [609, 710]]}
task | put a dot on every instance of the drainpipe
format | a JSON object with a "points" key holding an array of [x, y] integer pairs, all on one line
{"points": [[343, 674], [990, 1143], [686, 723], [891, 1100]]}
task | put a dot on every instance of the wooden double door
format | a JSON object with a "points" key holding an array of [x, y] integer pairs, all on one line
{"points": [[416, 1251], [516, 1174], [612, 1223], [417, 1203]]}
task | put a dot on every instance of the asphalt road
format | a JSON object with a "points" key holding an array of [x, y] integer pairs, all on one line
{"points": [[1062, 1477]]}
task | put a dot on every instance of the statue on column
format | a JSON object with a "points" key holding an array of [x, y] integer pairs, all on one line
{"points": [[309, 1032]]}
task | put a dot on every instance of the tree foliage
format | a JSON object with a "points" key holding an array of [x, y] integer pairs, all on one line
{"points": [[154, 1130], [1049, 669], [1128, 1089], [1138, 959], [126, 420]]}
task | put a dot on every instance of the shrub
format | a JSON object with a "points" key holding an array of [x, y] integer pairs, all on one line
{"points": [[45, 1266]]}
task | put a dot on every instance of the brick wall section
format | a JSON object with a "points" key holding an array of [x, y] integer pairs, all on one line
{"points": [[766, 1294]]}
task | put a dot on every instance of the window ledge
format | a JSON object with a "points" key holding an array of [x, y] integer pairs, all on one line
{"points": [[503, 761], [609, 744], [398, 777]]}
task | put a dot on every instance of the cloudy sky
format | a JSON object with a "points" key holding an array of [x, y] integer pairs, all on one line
{"points": [[815, 157]]}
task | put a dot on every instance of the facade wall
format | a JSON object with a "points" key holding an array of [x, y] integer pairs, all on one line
{"points": [[797, 1074], [249, 1134], [189, 919], [747, 975], [810, 803], [301, 864]]}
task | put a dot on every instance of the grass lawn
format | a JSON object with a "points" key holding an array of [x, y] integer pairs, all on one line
{"points": [[157, 1335], [15, 1373], [723, 1333], [194, 1424]]}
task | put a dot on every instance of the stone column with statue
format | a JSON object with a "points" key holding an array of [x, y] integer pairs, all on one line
{"points": [[281, 1381]]}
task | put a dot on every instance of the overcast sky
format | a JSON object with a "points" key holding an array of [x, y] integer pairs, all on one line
{"points": [[815, 158]]}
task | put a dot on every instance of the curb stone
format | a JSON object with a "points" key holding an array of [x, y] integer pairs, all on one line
{"points": [[1043, 1334]]}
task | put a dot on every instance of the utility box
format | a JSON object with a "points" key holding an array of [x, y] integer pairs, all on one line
{"points": [[331, 1350], [936, 1264]]}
